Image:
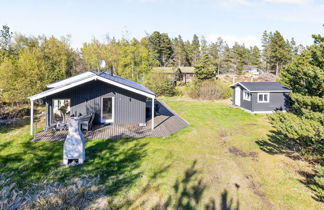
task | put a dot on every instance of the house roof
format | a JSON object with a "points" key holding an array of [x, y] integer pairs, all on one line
{"points": [[90, 76], [124, 81], [249, 67], [263, 86], [172, 70]]}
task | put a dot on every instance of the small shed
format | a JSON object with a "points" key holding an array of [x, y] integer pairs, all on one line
{"points": [[260, 97], [111, 99], [181, 73]]}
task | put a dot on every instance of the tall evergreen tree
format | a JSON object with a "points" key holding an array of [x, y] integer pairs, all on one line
{"points": [[195, 49], [255, 56], [221, 49], [181, 56], [166, 49], [204, 69], [304, 127], [5, 37], [240, 54], [266, 49], [279, 51], [160, 47]]}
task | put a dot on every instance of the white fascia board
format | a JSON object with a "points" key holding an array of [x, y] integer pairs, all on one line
{"points": [[244, 86], [125, 87], [238, 83], [49, 92], [233, 85], [271, 91], [69, 80]]}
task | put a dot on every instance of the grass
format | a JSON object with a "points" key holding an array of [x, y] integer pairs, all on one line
{"points": [[215, 162]]}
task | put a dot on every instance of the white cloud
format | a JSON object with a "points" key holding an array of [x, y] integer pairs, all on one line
{"points": [[290, 1], [235, 2], [247, 40]]}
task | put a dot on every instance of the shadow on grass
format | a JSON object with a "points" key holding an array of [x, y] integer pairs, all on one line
{"points": [[309, 181], [189, 191], [113, 161], [277, 143], [19, 123]]}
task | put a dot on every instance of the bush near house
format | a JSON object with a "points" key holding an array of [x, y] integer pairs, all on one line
{"points": [[209, 90], [160, 84]]}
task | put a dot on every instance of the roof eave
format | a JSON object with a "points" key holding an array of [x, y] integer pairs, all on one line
{"points": [[94, 77]]}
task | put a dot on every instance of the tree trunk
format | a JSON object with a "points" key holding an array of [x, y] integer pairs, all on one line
{"points": [[277, 68]]}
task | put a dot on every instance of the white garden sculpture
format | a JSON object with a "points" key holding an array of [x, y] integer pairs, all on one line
{"points": [[74, 150]]}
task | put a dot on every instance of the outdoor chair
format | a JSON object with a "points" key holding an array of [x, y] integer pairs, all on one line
{"points": [[86, 122]]}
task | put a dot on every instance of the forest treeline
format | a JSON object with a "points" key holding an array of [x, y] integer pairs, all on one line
{"points": [[28, 63]]}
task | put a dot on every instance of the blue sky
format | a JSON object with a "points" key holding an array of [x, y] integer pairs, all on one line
{"points": [[240, 20]]}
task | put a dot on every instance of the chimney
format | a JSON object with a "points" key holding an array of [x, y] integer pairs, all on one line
{"points": [[111, 71]]}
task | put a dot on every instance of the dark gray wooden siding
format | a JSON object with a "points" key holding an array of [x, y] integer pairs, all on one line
{"points": [[278, 101], [129, 107], [244, 103]]}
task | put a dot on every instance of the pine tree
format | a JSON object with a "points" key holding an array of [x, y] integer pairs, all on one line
{"points": [[181, 56], [195, 49], [204, 69], [304, 127], [266, 49], [240, 54], [166, 49], [154, 41], [221, 49], [255, 56], [279, 51]]}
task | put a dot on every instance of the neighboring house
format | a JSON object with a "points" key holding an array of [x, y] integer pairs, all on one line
{"points": [[251, 69], [182, 73], [260, 97], [111, 98]]}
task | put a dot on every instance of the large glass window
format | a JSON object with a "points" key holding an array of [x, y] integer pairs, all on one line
{"points": [[61, 110], [263, 97]]}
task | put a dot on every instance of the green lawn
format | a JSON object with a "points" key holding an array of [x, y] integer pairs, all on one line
{"points": [[215, 162]]}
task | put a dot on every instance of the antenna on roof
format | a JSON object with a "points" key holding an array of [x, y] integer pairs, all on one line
{"points": [[111, 70], [102, 64]]}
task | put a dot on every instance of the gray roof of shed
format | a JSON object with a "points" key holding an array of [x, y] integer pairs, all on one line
{"points": [[263, 86]]}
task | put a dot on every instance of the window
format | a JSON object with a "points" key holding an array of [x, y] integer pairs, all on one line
{"points": [[61, 109], [263, 97], [246, 95]]}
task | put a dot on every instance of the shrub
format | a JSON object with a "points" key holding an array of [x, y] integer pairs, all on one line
{"points": [[304, 135], [209, 89], [318, 187], [160, 84]]}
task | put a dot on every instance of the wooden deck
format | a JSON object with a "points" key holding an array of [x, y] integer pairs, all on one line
{"points": [[166, 123]]}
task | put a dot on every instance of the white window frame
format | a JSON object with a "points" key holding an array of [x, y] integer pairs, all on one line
{"points": [[246, 95], [113, 110], [263, 98]]}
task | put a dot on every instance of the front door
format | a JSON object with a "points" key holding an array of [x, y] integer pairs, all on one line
{"points": [[107, 109], [237, 99]]}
